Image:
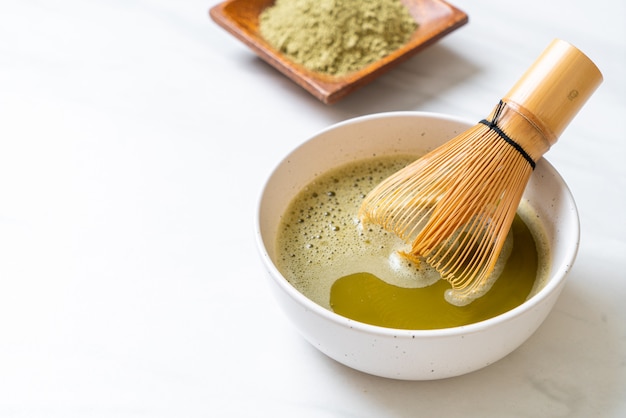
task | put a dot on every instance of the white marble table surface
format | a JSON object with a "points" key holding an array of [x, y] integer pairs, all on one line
{"points": [[135, 137]]}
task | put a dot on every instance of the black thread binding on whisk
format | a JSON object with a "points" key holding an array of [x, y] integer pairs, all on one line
{"points": [[493, 125]]}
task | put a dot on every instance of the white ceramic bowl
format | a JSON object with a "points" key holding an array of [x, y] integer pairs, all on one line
{"points": [[408, 354]]}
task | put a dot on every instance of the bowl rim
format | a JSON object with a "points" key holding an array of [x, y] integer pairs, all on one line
{"points": [[557, 275]]}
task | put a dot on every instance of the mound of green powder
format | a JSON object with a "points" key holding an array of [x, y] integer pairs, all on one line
{"points": [[336, 36]]}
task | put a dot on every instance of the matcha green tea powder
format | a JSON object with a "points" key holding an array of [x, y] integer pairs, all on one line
{"points": [[336, 36]]}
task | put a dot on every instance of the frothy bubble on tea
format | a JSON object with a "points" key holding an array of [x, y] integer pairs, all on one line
{"points": [[321, 241]]}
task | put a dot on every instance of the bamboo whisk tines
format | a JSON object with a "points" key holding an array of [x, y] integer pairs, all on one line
{"points": [[455, 205]]}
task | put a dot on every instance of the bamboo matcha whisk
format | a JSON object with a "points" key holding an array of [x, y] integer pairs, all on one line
{"points": [[456, 204]]}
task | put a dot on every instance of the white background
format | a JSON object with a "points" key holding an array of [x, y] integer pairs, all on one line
{"points": [[135, 137]]}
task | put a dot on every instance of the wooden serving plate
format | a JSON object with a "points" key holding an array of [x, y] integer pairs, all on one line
{"points": [[436, 18]]}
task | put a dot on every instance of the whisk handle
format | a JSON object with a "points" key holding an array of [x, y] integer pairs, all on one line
{"points": [[554, 88]]}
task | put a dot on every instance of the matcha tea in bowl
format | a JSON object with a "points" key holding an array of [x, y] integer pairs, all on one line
{"points": [[318, 255]]}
